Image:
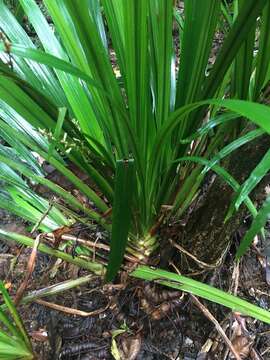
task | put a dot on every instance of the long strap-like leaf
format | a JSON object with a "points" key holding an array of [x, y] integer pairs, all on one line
{"points": [[203, 290], [121, 215], [257, 224]]}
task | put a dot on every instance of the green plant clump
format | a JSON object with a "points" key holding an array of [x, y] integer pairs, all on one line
{"points": [[144, 129], [14, 341]]}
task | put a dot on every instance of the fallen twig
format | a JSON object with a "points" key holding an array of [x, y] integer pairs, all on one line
{"points": [[36, 226], [209, 316], [200, 263], [219, 329], [29, 271], [235, 278], [72, 311], [94, 245], [56, 288], [254, 355]]}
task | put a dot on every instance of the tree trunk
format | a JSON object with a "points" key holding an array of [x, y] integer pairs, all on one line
{"points": [[205, 236]]}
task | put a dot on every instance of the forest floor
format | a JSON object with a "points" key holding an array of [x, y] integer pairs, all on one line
{"points": [[146, 322]]}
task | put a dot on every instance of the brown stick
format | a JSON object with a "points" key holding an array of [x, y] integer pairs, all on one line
{"points": [[29, 271], [42, 218], [219, 329], [235, 278], [200, 263], [94, 245], [209, 316], [71, 311]]}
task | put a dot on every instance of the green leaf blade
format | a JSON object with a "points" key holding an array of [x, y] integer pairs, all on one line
{"points": [[200, 289], [121, 215]]}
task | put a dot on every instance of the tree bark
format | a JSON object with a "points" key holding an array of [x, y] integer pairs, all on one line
{"points": [[205, 235]]}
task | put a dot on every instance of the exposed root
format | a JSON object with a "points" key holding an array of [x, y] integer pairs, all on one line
{"points": [[158, 302], [201, 264]]}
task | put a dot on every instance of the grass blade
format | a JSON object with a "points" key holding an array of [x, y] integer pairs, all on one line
{"points": [[121, 215], [17, 320], [75, 93], [243, 63], [219, 156], [199, 25], [70, 199], [202, 290], [263, 57], [241, 27], [57, 131], [25, 240], [257, 113], [223, 174], [39, 76], [256, 226], [254, 178], [211, 124]]}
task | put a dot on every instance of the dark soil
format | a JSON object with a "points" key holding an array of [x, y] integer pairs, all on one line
{"points": [[155, 323]]}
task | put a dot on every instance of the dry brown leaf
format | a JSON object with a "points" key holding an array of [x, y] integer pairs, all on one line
{"points": [[131, 346], [242, 345], [39, 335]]}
